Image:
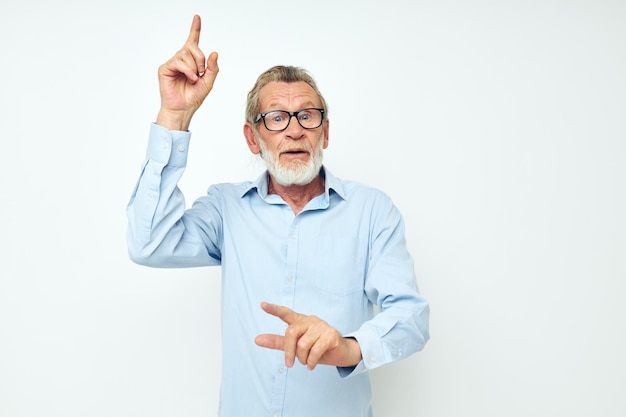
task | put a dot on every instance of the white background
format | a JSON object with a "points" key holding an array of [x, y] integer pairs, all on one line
{"points": [[496, 126]]}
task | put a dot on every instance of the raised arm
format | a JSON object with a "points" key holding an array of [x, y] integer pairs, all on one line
{"points": [[185, 80]]}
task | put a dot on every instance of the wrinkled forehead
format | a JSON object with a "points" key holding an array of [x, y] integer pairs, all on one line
{"points": [[288, 96]]}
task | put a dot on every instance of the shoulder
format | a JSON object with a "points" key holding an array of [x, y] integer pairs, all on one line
{"points": [[238, 189], [225, 194], [354, 191], [359, 192]]}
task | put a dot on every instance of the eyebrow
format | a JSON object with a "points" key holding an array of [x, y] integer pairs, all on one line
{"points": [[307, 105]]}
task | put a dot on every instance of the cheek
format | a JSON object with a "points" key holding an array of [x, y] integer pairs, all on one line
{"points": [[267, 147]]}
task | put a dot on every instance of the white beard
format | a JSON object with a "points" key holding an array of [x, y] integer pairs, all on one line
{"points": [[296, 172]]}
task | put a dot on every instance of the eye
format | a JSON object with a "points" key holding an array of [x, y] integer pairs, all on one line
{"points": [[304, 116], [277, 117]]}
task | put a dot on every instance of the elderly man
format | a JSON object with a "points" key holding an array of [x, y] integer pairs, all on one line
{"points": [[317, 284]]}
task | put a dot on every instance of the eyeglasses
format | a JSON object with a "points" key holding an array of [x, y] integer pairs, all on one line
{"points": [[277, 120]]}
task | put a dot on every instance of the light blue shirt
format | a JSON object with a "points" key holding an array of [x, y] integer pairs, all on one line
{"points": [[343, 258]]}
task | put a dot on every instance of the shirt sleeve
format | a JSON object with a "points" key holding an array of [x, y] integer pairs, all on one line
{"points": [[159, 234], [401, 326]]}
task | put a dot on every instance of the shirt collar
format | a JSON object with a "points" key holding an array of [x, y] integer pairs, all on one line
{"points": [[331, 183]]}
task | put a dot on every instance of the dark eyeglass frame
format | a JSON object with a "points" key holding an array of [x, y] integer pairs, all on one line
{"points": [[291, 114]]}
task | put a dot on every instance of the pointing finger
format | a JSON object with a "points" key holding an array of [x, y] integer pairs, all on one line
{"points": [[285, 314], [194, 32], [191, 47]]}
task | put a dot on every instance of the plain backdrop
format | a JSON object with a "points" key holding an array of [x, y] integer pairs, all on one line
{"points": [[496, 126]]}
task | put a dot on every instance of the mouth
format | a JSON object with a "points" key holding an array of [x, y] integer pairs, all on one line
{"points": [[294, 152]]}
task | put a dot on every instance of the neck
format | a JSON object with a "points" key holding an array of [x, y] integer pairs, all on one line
{"points": [[297, 196]]}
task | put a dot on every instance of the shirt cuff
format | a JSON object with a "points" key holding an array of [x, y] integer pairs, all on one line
{"points": [[169, 147], [348, 371], [371, 346]]}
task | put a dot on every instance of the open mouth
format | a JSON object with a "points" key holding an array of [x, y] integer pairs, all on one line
{"points": [[295, 152]]}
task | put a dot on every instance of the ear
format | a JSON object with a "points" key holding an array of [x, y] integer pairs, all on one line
{"points": [[248, 132], [326, 129]]}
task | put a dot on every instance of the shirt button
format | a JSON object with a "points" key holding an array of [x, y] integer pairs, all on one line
{"points": [[164, 145], [275, 415], [181, 148], [152, 194], [290, 278], [372, 358], [281, 369]]}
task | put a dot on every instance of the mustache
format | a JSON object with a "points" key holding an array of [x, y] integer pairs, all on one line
{"points": [[295, 147]]}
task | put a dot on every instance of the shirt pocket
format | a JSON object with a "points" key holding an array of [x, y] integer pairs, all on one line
{"points": [[340, 264]]}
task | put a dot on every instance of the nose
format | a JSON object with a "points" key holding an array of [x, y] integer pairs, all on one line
{"points": [[294, 130]]}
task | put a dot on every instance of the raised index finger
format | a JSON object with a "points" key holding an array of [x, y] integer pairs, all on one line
{"points": [[194, 32]]}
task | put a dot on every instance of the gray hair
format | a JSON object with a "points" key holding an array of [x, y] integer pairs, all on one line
{"points": [[279, 73]]}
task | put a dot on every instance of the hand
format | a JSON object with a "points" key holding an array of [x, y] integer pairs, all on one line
{"points": [[310, 339], [185, 80]]}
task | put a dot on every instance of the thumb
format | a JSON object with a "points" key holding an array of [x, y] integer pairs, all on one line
{"points": [[211, 63], [270, 341], [211, 71]]}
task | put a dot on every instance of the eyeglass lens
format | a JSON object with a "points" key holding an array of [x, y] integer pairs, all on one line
{"points": [[279, 120]]}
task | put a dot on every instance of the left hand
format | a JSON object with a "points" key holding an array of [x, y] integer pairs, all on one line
{"points": [[310, 339]]}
